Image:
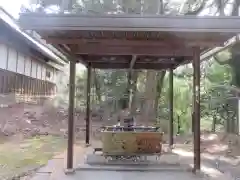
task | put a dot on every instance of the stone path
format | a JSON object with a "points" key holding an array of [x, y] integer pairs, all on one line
{"points": [[57, 165], [217, 167], [55, 169], [109, 175]]}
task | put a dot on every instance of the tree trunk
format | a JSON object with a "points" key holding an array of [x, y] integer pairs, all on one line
{"points": [[178, 125], [160, 7], [97, 86], [214, 123], [235, 10], [134, 92], [160, 80], [221, 7], [150, 95]]}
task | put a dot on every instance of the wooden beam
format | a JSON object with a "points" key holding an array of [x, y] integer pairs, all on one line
{"points": [[141, 50], [70, 55], [111, 42], [108, 61], [126, 66], [111, 59], [128, 59], [164, 61], [172, 42]]}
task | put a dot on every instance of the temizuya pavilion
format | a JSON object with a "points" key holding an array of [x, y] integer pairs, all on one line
{"points": [[136, 42]]}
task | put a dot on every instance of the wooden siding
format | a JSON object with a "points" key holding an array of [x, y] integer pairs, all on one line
{"points": [[11, 82], [21, 77]]}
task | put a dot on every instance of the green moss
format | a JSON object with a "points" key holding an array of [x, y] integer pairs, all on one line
{"points": [[18, 157]]}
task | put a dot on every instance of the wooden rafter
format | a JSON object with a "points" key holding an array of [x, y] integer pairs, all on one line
{"points": [[107, 65], [120, 59], [112, 42], [123, 42], [131, 62], [129, 50]]}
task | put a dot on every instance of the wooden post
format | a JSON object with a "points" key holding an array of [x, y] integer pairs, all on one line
{"points": [[27, 88], [21, 86], [3, 85], [171, 108], [42, 88], [46, 83], [196, 107], [30, 85], [71, 115], [36, 87], [7, 84], [15, 83], [45, 87], [87, 140]]}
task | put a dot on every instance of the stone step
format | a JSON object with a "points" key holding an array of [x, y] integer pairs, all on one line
{"points": [[141, 168], [96, 159]]}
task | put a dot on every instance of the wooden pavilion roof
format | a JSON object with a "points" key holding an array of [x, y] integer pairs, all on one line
{"points": [[123, 41]]}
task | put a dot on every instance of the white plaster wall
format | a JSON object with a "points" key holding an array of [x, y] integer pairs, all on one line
{"points": [[39, 71], [20, 63], [43, 72], [3, 56], [54, 76], [48, 70], [34, 69], [27, 66], [12, 60]]}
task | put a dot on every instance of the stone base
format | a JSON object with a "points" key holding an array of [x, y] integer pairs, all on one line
{"points": [[69, 171], [141, 168], [87, 145], [98, 159], [169, 149]]}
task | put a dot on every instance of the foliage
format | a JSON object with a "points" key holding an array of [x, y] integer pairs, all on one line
{"points": [[118, 6]]}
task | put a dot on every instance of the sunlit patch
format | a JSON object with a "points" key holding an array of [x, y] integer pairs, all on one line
{"points": [[209, 137], [28, 121], [217, 148], [182, 152], [211, 172]]}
